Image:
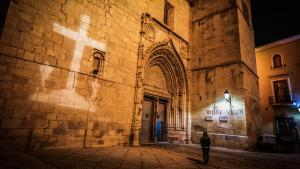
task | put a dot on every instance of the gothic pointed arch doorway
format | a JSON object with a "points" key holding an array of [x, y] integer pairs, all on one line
{"points": [[163, 93]]}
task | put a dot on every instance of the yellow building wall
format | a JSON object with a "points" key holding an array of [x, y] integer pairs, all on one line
{"points": [[290, 54]]}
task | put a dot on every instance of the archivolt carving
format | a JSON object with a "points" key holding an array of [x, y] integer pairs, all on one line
{"points": [[172, 67], [155, 45], [164, 55]]}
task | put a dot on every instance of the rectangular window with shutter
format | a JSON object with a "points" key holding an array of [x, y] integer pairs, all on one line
{"points": [[169, 15], [4, 4], [282, 91]]}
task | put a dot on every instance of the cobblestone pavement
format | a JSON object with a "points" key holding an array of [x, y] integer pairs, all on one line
{"points": [[147, 157]]}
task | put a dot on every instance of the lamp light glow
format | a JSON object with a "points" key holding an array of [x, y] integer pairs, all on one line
{"points": [[227, 95]]}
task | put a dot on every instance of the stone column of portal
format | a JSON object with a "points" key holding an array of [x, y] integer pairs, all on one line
{"points": [[223, 58], [180, 111], [139, 94], [175, 111], [172, 112], [138, 108]]}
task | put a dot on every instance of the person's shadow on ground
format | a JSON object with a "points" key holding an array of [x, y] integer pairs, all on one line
{"points": [[196, 160]]}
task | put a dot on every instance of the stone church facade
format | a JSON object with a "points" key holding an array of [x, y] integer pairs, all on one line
{"points": [[88, 73]]}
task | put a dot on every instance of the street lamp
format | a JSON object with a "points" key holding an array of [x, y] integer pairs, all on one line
{"points": [[228, 98], [227, 95]]}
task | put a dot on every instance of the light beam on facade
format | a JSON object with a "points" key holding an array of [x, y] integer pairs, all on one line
{"points": [[81, 40]]}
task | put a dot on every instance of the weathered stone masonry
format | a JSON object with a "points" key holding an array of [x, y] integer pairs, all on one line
{"points": [[222, 47], [49, 94], [74, 73]]}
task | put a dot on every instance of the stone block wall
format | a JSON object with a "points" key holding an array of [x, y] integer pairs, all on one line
{"points": [[252, 100], [223, 140], [222, 57], [49, 96], [246, 34], [207, 94], [39, 112], [215, 34]]}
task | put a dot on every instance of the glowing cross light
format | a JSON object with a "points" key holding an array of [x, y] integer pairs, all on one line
{"points": [[81, 40], [70, 97]]}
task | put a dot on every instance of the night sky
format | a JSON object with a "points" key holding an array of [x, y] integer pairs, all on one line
{"points": [[274, 20]]}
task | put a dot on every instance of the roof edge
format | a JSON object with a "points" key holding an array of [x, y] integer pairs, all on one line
{"points": [[277, 43]]}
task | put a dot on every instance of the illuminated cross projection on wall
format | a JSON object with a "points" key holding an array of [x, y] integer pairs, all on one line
{"points": [[81, 40]]}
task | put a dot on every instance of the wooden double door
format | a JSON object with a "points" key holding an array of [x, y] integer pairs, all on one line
{"points": [[285, 128], [154, 115]]}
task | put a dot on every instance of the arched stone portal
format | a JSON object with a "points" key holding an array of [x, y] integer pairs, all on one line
{"points": [[161, 96]]}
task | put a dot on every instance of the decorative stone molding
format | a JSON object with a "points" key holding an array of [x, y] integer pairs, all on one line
{"points": [[149, 30], [175, 68]]}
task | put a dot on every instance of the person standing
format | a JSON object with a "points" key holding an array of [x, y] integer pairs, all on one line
{"points": [[205, 144]]}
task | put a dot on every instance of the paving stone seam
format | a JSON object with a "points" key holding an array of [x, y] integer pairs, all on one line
{"points": [[186, 157], [82, 159], [108, 155], [37, 158], [141, 158], [122, 162], [159, 163]]}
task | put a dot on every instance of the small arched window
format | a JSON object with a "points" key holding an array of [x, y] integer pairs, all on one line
{"points": [[277, 61], [98, 62]]}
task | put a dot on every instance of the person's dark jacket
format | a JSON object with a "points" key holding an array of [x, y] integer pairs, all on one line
{"points": [[205, 142]]}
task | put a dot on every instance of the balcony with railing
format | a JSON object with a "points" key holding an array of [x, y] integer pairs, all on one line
{"points": [[284, 100]]}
